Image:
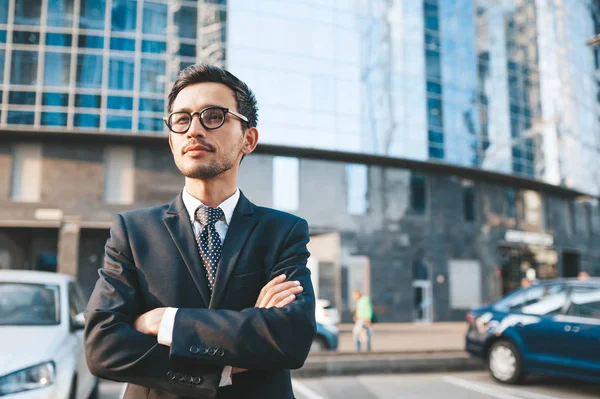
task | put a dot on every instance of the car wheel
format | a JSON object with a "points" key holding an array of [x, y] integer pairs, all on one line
{"points": [[318, 345], [95, 392], [505, 363]]}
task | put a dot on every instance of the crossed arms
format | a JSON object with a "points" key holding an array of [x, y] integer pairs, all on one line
{"points": [[259, 338]]}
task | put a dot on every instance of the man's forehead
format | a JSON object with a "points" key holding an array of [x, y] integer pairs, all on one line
{"points": [[203, 94]]}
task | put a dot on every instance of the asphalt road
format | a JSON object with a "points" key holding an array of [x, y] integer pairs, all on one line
{"points": [[477, 385]]}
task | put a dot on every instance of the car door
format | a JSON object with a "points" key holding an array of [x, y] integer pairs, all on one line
{"points": [[582, 322], [85, 380], [536, 322]]}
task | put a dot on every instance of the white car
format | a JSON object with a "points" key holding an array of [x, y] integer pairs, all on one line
{"points": [[41, 337], [326, 314]]}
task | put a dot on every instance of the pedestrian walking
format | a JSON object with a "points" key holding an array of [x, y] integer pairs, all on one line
{"points": [[362, 331]]}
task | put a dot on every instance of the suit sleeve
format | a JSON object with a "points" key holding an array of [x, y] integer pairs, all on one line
{"points": [[255, 338], [115, 350]]}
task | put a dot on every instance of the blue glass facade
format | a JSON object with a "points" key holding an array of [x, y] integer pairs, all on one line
{"points": [[503, 86]]}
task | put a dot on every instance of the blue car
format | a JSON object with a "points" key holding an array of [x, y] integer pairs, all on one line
{"points": [[326, 338], [550, 328]]}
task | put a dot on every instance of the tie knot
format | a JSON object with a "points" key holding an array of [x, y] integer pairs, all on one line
{"points": [[206, 215]]}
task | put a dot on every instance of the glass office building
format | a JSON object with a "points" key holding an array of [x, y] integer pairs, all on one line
{"points": [[507, 86]]}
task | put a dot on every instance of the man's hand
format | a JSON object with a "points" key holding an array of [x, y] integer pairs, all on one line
{"points": [[149, 322], [277, 293]]}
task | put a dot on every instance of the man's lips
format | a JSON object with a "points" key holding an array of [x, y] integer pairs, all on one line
{"points": [[198, 148]]}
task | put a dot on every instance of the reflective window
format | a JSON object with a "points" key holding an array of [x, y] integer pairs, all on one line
{"points": [[187, 50], [57, 69], [118, 122], [2, 36], [28, 12], [510, 197], [120, 73], [418, 194], [23, 37], [469, 202], [54, 118], [90, 41], [286, 182], [1, 66], [536, 300], [60, 13], [55, 99], [21, 97], [152, 104], [150, 46], [29, 304], [89, 71], [59, 39], [86, 120], [585, 302], [151, 124], [357, 189], [431, 17], [3, 11], [24, 67], [186, 22], [20, 117], [115, 102], [432, 59], [155, 18], [152, 76], [119, 43], [123, 15], [87, 100], [92, 14]]}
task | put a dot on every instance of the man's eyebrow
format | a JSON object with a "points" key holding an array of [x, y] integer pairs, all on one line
{"points": [[190, 110]]}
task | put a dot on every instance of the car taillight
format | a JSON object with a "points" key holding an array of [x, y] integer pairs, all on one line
{"points": [[470, 317]]}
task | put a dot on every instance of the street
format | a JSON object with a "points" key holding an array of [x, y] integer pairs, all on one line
{"points": [[476, 385]]}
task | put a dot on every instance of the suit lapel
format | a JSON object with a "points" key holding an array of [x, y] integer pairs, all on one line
{"points": [[241, 226], [177, 221]]}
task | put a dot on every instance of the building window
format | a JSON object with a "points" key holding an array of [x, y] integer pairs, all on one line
{"points": [[510, 198], [55, 99], [119, 172], [286, 183], [186, 22], [420, 271], [357, 178], [569, 211], [468, 192], [152, 76], [118, 122], [89, 71], [418, 194], [121, 71], [56, 69], [92, 14], [155, 19], [124, 15], [28, 12], [533, 209], [26, 172], [464, 280], [60, 13], [24, 67]]}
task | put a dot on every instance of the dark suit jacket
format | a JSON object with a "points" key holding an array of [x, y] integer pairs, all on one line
{"points": [[152, 261]]}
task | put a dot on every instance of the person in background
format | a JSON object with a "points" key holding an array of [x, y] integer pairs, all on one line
{"points": [[362, 320]]}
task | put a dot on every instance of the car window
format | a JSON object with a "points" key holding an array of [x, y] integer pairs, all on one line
{"points": [[29, 304], [585, 302], [76, 304], [536, 300]]}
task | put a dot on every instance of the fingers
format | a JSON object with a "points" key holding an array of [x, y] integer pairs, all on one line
{"points": [[237, 370], [274, 292], [284, 297], [272, 283]]}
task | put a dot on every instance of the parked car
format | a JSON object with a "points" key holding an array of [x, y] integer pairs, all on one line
{"points": [[41, 337], [326, 338], [326, 314], [549, 328]]}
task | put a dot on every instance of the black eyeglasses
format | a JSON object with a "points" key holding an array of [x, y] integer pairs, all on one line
{"points": [[211, 118]]}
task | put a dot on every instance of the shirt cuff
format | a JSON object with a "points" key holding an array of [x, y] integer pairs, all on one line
{"points": [[165, 330], [226, 377]]}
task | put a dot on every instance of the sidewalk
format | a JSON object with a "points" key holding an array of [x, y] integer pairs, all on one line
{"points": [[409, 337]]}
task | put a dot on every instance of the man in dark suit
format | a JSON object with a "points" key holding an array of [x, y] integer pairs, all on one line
{"points": [[209, 296]]}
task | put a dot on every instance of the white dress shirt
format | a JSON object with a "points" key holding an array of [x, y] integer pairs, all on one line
{"points": [[165, 331]]}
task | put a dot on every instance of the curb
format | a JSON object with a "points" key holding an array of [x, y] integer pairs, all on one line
{"points": [[388, 363]]}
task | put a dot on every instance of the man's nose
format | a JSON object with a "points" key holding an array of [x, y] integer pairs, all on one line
{"points": [[196, 128]]}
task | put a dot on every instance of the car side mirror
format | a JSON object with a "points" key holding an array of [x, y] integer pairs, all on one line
{"points": [[78, 322]]}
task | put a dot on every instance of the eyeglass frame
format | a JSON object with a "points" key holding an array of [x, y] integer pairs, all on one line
{"points": [[199, 114]]}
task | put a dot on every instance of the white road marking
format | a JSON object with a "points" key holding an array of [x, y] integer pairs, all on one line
{"points": [[496, 391], [304, 390]]}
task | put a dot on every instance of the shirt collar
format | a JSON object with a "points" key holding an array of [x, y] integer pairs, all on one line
{"points": [[192, 203]]}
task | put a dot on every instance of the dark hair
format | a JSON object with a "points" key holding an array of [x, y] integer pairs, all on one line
{"points": [[201, 73]]}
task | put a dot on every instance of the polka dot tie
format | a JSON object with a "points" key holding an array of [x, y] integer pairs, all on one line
{"points": [[209, 242]]}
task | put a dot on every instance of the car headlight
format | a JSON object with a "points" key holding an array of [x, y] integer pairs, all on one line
{"points": [[35, 377]]}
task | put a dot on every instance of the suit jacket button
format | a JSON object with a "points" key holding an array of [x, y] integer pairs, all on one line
{"points": [[171, 375], [194, 349], [189, 379], [212, 351], [204, 351], [220, 352], [179, 377], [197, 380]]}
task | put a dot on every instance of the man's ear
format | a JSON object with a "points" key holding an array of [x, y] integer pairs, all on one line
{"points": [[250, 140], [170, 142]]}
